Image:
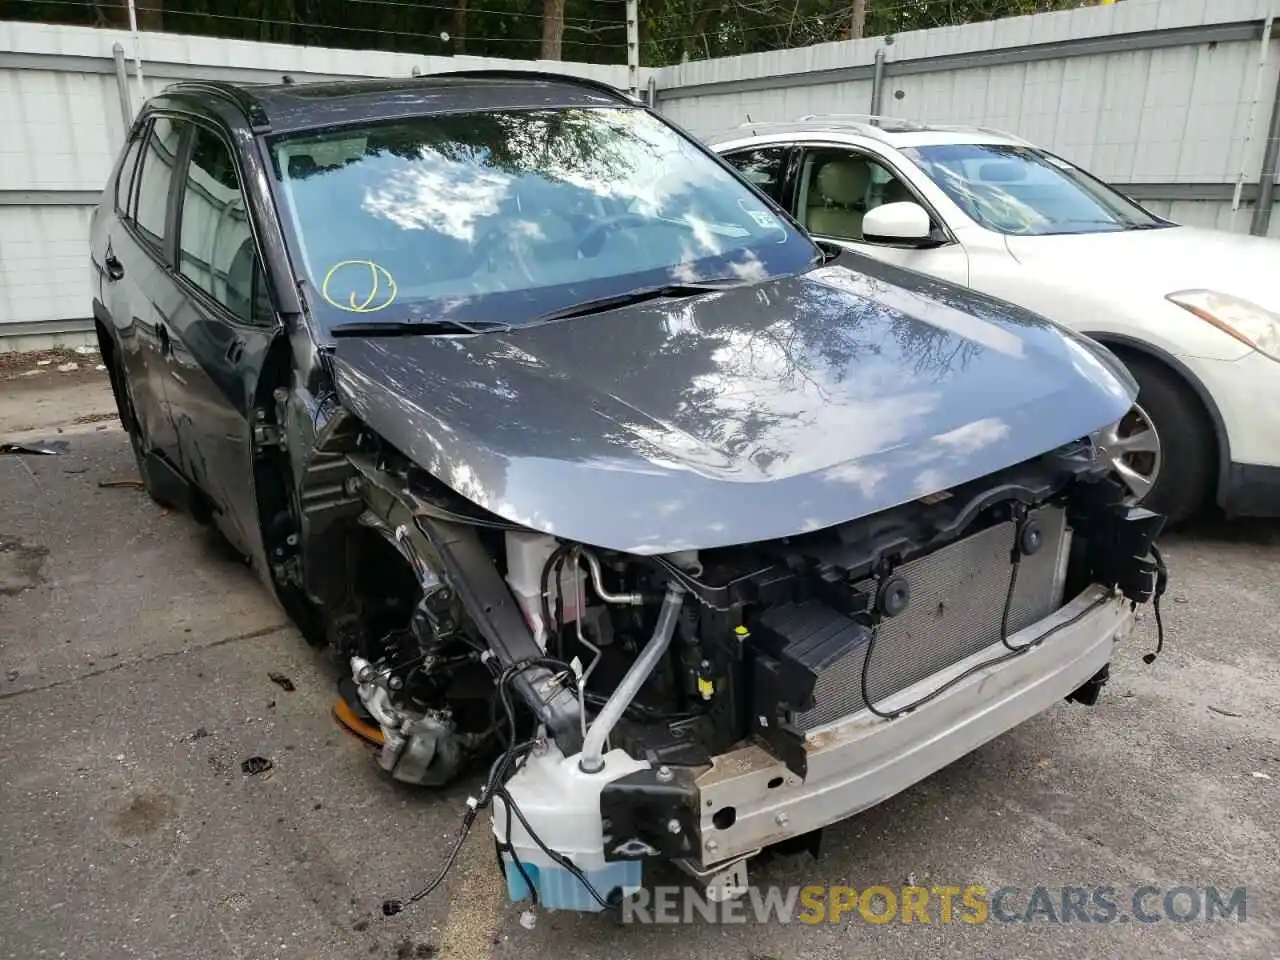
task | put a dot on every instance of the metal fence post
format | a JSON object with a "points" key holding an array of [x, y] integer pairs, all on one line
{"points": [[122, 88], [137, 51], [633, 47], [877, 83], [1264, 53], [1261, 221]]}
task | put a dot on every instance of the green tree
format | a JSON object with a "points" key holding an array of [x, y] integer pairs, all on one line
{"points": [[583, 30]]}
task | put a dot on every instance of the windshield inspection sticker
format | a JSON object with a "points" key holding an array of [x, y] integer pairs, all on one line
{"points": [[764, 219], [359, 286]]}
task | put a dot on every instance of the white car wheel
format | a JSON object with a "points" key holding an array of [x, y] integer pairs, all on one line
{"points": [[1132, 445]]}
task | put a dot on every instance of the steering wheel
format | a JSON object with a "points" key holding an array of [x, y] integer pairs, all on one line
{"points": [[591, 242], [495, 246], [1012, 217]]}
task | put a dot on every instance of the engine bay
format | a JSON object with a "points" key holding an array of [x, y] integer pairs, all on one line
{"points": [[601, 686]]}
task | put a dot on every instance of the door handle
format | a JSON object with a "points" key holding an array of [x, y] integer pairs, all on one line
{"points": [[235, 350], [115, 269], [162, 334]]}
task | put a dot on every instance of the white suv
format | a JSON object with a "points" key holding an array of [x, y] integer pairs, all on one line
{"points": [[1194, 314]]}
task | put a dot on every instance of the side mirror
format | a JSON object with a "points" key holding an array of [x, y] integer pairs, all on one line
{"points": [[904, 222]]}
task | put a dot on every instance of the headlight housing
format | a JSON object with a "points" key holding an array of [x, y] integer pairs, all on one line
{"points": [[1252, 325]]}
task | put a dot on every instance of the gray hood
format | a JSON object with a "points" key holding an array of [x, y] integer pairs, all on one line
{"points": [[759, 412]]}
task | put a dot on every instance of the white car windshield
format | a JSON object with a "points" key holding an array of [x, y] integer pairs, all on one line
{"points": [[506, 216], [1025, 191]]}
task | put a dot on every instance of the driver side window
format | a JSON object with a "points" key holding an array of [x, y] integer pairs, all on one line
{"points": [[216, 245], [838, 187]]}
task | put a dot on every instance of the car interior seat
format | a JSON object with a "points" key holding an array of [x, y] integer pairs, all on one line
{"points": [[837, 199], [895, 191], [302, 164]]}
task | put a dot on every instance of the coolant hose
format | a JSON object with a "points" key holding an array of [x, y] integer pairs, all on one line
{"points": [[598, 733]]}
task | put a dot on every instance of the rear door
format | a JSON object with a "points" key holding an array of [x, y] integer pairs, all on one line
{"points": [[221, 326], [135, 264], [105, 226], [831, 188]]}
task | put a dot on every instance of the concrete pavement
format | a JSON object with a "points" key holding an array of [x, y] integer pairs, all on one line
{"points": [[134, 662]]}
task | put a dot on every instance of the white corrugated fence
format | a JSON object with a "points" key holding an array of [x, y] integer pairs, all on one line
{"points": [[1170, 100], [61, 126], [1176, 102]]}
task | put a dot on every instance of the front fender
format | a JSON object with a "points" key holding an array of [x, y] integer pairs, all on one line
{"points": [[1107, 304]]}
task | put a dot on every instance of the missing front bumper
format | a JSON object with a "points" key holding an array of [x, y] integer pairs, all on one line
{"points": [[749, 799]]}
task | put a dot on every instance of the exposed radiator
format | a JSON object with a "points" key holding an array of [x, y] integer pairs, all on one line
{"points": [[957, 599]]}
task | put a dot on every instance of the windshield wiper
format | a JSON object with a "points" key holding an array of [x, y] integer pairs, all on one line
{"points": [[614, 301], [415, 328]]}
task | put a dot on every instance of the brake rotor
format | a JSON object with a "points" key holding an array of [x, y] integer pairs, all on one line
{"points": [[352, 717]]}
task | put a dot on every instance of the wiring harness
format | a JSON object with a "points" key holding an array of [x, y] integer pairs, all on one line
{"points": [[1017, 650], [502, 769]]}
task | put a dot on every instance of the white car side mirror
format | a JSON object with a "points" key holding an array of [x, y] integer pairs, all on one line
{"points": [[896, 223]]}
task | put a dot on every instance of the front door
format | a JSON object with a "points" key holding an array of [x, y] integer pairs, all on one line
{"points": [[837, 186], [221, 326], [136, 265]]}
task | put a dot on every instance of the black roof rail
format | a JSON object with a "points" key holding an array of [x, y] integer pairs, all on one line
{"points": [[500, 74], [237, 95]]}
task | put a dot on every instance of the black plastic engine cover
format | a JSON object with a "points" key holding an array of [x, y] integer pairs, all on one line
{"points": [[804, 639], [795, 643], [1119, 540]]}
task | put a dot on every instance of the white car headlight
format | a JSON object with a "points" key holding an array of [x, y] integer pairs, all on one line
{"points": [[1247, 322]]}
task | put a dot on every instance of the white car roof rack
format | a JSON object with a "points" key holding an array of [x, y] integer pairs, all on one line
{"points": [[853, 124], [874, 125], [918, 126], [872, 118]]}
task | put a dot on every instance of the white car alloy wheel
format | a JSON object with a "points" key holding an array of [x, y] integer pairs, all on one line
{"points": [[1132, 445]]}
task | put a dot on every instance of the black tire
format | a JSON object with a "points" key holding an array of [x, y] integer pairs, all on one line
{"points": [[129, 420], [1188, 448]]}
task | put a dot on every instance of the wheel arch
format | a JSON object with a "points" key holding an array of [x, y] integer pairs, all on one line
{"points": [[283, 485], [1123, 345], [271, 473], [107, 348]]}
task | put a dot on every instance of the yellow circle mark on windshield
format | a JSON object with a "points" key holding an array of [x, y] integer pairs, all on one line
{"points": [[369, 286]]}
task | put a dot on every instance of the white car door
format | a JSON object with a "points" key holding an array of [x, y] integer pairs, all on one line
{"points": [[836, 185]]}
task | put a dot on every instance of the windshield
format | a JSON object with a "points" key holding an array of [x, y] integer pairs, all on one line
{"points": [[1021, 190], [507, 216]]}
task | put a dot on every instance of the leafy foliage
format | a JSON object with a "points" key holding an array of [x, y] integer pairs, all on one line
{"points": [[585, 30], [674, 30]]}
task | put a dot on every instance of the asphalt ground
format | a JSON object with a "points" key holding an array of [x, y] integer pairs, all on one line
{"points": [[135, 663]]}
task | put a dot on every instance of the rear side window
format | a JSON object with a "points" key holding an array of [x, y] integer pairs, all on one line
{"points": [[216, 248], [124, 183], [158, 159], [763, 167]]}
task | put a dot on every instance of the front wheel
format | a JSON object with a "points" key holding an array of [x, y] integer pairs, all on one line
{"points": [[1164, 449]]}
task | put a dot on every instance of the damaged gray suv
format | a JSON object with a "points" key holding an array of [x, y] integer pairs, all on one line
{"points": [[597, 474]]}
